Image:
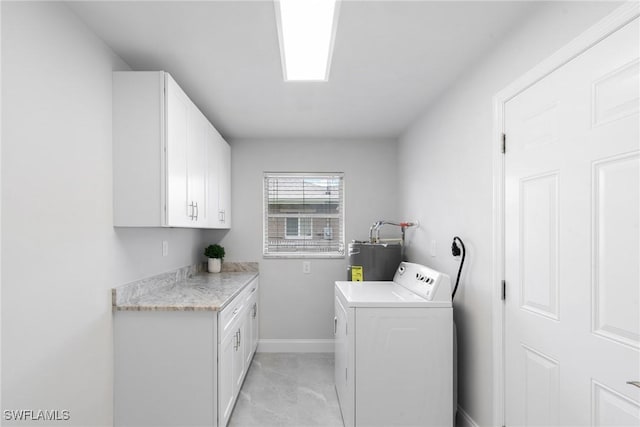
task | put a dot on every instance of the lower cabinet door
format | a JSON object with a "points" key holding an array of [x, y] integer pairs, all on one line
{"points": [[255, 327], [238, 357], [251, 331], [226, 380]]}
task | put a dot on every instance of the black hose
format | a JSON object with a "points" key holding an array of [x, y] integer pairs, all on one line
{"points": [[456, 251]]}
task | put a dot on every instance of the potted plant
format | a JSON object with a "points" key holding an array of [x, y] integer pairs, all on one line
{"points": [[215, 253]]}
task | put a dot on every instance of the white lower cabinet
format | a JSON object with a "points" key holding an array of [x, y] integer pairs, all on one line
{"points": [[251, 326], [183, 368], [226, 380], [236, 348]]}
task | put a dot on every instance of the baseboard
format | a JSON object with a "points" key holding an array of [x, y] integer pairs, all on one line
{"points": [[464, 420], [295, 346]]}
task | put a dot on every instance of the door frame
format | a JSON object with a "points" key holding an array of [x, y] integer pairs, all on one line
{"points": [[602, 29]]}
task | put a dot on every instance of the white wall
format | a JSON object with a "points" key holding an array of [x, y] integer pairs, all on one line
{"points": [[445, 180], [60, 252], [295, 305]]}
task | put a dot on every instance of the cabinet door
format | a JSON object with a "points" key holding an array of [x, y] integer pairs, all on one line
{"points": [[251, 330], [224, 184], [239, 365], [255, 329], [177, 108], [211, 203], [226, 380], [196, 165]]}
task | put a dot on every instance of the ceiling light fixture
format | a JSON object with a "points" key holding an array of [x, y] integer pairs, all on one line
{"points": [[306, 29]]}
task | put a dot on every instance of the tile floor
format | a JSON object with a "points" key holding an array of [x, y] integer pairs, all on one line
{"points": [[288, 389]]}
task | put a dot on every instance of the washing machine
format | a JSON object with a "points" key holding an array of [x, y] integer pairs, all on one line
{"points": [[394, 349]]}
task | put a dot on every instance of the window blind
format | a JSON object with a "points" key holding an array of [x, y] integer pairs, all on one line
{"points": [[303, 215]]}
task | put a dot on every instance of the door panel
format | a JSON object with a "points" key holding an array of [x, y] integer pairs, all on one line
{"points": [[615, 306], [177, 110], [613, 409], [224, 184], [616, 95], [539, 244], [225, 378], [572, 238], [541, 388], [238, 357], [196, 165]]}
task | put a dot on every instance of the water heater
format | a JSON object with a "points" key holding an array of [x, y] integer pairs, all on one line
{"points": [[373, 261]]}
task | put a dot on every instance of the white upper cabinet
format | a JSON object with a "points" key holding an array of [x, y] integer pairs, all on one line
{"points": [[218, 180], [171, 167], [224, 184]]}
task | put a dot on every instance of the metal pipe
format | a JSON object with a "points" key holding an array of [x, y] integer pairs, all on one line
{"points": [[374, 231]]}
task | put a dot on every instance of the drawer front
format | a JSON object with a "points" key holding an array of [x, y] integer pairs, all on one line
{"points": [[230, 314], [250, 291], [238, 306]]}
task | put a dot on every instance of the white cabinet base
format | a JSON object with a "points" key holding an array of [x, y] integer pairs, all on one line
{"points": [[164, 376]]}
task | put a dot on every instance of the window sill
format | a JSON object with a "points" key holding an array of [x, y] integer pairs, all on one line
{"points": [[293, 255]]}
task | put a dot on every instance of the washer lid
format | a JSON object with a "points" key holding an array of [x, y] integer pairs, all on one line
{"points": [[382, 294]]}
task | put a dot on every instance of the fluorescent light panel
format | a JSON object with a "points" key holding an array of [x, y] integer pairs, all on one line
{"points": [[306, 30]]}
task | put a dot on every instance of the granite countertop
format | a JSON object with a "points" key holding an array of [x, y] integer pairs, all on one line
{"points": [[186, 289]]}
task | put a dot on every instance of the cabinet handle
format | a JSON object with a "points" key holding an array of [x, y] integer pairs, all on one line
{"points": [[335, 325], [197, 210], [255, 310], [237, 344], [635, 383], [191, 214], [239, 337], [235, 311]]}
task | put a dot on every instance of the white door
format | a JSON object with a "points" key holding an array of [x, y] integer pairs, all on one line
{"points": [[255, 328], [226, 381], [213, 170], [247, 347], [196, 165], [177, 116], [572, 173], [238, 356], [224, 184]]}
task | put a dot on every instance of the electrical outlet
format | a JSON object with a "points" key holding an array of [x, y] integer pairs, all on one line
{"points": [[306, 267], [165, 248]]}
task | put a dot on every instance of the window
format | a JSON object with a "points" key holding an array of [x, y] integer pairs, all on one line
{"points": [[303, 215], [298, 228]]}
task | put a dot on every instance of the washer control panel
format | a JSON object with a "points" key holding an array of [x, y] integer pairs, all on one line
{"points": [[430, 284]]}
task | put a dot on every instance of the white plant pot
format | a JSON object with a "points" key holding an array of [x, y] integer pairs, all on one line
{"points": [[214, 265]]}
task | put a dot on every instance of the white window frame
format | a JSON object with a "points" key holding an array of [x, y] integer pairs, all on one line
{"points": [[299, 236], [338, 235]]}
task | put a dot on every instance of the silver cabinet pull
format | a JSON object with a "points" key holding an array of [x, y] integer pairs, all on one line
{"points": [[197, 210], [635, 383], [255, 309], [335, 325], [192, 211], [239, 337], [235, 345]]}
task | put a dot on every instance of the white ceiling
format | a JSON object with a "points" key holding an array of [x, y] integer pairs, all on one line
{"points": [[390, 59]]}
